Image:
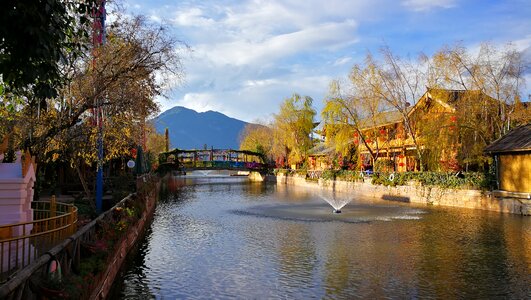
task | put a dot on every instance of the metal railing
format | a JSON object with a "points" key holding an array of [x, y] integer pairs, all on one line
{"points": [[22, 243]]}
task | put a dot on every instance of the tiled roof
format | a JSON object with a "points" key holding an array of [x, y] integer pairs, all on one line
{"points": [[518, 139], [383, 118], [321, 149]]}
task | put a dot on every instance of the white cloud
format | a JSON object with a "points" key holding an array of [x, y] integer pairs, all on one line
{"points": [[193, 17], [342, 61], [327, 36], [424, 5], [249, 55]]}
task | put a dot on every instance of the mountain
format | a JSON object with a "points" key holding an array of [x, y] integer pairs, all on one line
{"points": [[189, 129]]}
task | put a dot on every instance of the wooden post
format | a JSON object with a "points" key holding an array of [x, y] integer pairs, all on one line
{"points": [[70, 220], [52, 206]]}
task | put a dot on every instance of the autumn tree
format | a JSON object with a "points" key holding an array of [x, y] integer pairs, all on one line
{"points": [[492, 78], [120, 82], [351, 117], [292, 128], [257, 138]]}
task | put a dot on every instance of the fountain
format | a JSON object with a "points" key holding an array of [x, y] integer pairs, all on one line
{"points": [[205, 173], [336, 202]]}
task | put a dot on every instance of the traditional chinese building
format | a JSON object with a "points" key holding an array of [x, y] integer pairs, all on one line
{"points": [[434, 121], [512, 156]]}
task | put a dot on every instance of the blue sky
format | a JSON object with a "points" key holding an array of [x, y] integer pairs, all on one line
{"points": [[248, 56]]}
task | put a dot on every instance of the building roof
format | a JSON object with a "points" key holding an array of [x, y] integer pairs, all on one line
{"points": [[517, 140], [321, 149], [381, 119]]}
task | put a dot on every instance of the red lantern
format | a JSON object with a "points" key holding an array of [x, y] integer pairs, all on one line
{"points": [[401, 164], [355, 134], [382, 131], [401, 156], [356, 141], [368, 141], [133, 152]]}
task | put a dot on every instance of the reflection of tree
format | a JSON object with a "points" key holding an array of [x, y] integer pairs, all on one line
{"points": [[297, 258], [340, 265], [518, 243], [173, 188], [468, 259], [133, 282], [256, 189]]}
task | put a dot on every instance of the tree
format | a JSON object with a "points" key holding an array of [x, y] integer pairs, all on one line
{"points": [[351, 119], [492, 79], [257, 138], [292, 128], [35, 39], [125, 76]]}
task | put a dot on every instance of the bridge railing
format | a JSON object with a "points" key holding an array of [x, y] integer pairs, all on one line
{"points": [[24, 242], [228, 165]]}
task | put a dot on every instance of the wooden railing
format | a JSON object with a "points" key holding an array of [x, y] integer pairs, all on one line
{"points": [[67, 253], [22, 243]]}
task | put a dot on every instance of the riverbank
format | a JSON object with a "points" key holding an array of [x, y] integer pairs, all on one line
{"points": [[91, 258], [414, 193]]}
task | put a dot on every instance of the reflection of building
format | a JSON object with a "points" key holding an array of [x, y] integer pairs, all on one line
{"points": [[512, 154]]}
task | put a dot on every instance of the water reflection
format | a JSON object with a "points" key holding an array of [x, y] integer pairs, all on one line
{"points": [[241, 240]]}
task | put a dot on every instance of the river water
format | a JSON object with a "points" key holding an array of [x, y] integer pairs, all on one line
{"points": [[224, 238]]}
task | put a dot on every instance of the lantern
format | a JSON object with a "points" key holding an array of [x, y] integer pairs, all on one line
{"points": [[453, 119], [382, 131], [401, 164], [133, 153], [368, 141], [401, 156], [355, 134]]}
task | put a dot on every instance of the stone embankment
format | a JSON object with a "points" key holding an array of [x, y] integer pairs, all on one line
{"points": [[415, 193]]}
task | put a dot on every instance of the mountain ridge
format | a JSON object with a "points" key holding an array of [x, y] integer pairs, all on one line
{"points": [[189, 129]]}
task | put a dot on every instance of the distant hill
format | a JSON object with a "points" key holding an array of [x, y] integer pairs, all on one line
{"points": [[189, 129]]}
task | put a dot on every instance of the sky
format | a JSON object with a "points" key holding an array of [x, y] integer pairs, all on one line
{"points": [[248, 56]]}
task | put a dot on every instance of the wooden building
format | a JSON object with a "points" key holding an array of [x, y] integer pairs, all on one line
{"points": [[434, 116], [512, 155]]}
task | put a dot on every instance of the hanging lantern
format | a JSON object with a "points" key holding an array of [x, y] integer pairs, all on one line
{"points": [[401, 156], [401, 164], [382, 131], [133, 153], [368, 141], [453, 119], [355, 134], [356, 141]]}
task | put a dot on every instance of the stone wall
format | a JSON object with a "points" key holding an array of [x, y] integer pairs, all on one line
{"points": [[414, 193]]}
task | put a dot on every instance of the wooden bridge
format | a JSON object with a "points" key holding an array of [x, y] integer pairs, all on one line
{"points": [[213, 159]]}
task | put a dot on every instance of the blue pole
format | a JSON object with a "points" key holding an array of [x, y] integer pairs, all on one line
{"points": [[100, 17], [99, 175]]}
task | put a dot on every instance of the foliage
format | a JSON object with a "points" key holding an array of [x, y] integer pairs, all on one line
{"points": [[450, 180], [36, 37], [342, 175], [257, 138], [116, 82], [349, 119], [493, 77], [292, 128], [383, 165]]}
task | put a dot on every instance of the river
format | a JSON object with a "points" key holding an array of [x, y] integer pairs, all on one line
{"points": [[224, 237]]}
